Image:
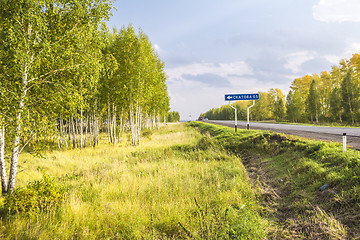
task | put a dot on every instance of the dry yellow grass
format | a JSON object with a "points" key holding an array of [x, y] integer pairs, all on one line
{"points": [[155, 190]]}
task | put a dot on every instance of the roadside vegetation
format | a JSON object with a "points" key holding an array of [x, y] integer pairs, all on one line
{"points": [[65, 78], [331, 97], [309, 189], [178, 184]]}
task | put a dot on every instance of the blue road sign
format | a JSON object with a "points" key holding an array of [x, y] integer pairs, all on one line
{"points": [[237, 97]]}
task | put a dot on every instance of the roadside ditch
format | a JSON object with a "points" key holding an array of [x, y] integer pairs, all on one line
{"points": [[308, 189]]}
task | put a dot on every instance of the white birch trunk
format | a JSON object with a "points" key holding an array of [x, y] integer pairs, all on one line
{"points": [[153, 121], [95, 130], [69, 129], [147, 121], [81, 129], [108, 121], [91, 126], [59, 139], [132, 125], [158, 121], [86, 130], [16, 142], [73, 133], [136, 122], [77, 132], [121, 124], [59, 128], [2, 160], [63, 131], [97, 127], [114, 124], [139, 125]]}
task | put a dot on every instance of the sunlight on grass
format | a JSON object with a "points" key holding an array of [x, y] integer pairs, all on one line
{"points": [[296, 169], [176, 185]]}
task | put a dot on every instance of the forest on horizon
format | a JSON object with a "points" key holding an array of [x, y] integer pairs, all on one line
{"points": [[329, 97]]}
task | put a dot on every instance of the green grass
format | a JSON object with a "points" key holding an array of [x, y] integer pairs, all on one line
{"points": [[298, 168], [187, 183], [320, 124], [177, 185]]}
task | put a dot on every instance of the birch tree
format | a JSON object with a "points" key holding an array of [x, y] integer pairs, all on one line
{"points": [[325, 87], [42, 43], [350, 96], [313, 102], [138, 84], [336, 106]]}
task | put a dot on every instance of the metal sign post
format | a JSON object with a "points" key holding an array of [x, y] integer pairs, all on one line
{"points": [[235, 116], [248, 115], [237, 97]]}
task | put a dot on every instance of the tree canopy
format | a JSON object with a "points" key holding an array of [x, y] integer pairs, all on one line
{"points": [[64, 78]]}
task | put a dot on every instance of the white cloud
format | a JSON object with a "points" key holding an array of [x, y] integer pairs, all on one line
{"points": [[295, 60], [193, 98], [157, 47], [220, 69], [337, 11], [352, 48], [333, 59], [190, 97], [159, 50], [347, 53]]}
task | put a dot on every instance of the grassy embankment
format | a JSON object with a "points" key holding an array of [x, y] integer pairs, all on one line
{"points": [[320, 124], [290, 172], [179, 184]]}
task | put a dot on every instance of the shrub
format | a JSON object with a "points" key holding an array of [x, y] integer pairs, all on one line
{"points": [[146, 133], [37, 196]]}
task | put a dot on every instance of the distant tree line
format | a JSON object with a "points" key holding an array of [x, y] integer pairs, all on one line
{"points": [[173, 116], [328, 97], [271, 105]]}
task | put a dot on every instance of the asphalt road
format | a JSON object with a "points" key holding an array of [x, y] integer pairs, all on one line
{"points": [[314, 132]]}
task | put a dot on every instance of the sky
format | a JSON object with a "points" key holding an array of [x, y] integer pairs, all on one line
{"points": [[211, 48]]}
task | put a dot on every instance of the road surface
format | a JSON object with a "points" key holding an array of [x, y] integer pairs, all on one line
{"points": [[315, 132]]}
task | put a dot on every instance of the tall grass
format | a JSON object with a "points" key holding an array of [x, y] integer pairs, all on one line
{"points": [[299, 167], [177, 185]]}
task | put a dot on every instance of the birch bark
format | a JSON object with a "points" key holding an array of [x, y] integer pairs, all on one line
{"points": [[86, 130], [73, 133], [81, 129], [108, 121], [16, 143], [2, 160]]}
